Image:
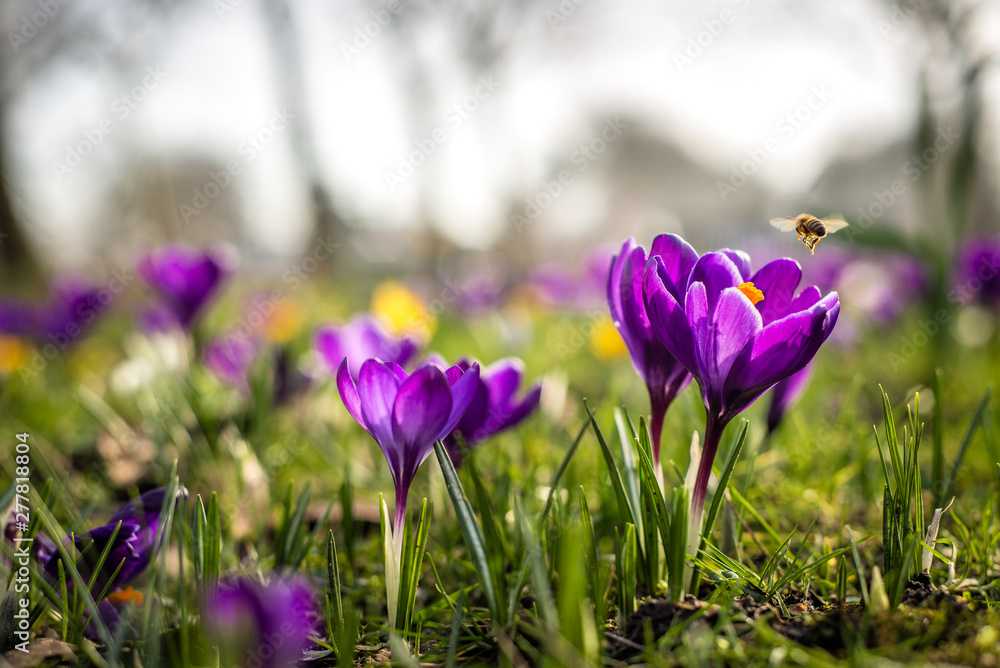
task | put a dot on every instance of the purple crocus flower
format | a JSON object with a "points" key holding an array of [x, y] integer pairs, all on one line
{"points": [[132, 548], [264, 625], [977, 271], [664, 376], [18, 319], [481, 295], [229, 357], [561, 289], [72, 306], [363, 338], [406, 414], [130, 553], [185, 279], [738, 334], [494, 406]]}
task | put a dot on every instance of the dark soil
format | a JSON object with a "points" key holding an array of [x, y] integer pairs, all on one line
{"points": [[929, 618]]}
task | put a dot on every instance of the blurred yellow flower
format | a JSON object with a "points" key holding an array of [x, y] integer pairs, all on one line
{"points": [[402, 311], [605, 340], [283, 323], [13, 353]]}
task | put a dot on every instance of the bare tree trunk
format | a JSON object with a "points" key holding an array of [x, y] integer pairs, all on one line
{"points": [[17, 260], [285, 47]]}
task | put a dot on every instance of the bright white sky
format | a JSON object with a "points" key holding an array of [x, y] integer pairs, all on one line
{"points": [[604, 58]]}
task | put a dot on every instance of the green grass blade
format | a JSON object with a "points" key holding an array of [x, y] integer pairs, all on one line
{"points": [[471, 531], [859, 568], [213, 543], [522, 575], [625, 509], [198, 547], [457, 621], [496, 548], [970, 431], [415, 542], [627, 575], [937, 470], [293, 529], [627, 439], [336, 615], [54, 530]]}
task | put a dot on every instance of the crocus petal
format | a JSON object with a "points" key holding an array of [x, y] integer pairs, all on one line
{"points": [[362, 339], [421, 408], [805, 299], [244, 616], [475, 416], [328, 345], [734, 324], [377, 388], [185, 278], [145, 512], [420, 414], [349, 394], [122, 552], [397, 371], [667, 316], [700, 323], [779, 350], [740, 260], [625, 301], [777, 280], [452, 373], [522, 409], [462, 391], [503, 377], [678, 259], [718, 272], [230, 357]]}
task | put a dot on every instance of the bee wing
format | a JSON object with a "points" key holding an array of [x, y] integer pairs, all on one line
{"points": [[834, 222], [784, 224]]}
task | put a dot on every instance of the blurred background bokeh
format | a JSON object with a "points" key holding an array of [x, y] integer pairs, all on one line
{"points": [[414, 135]]}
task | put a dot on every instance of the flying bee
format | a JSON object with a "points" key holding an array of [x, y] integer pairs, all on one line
{"points": [[810, 228]]}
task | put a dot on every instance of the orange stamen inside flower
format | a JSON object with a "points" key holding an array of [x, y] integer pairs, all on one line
{"points": [[752, 293], [126, 595]]}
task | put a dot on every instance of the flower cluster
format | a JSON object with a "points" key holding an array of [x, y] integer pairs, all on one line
{"points": [[736, 332]]}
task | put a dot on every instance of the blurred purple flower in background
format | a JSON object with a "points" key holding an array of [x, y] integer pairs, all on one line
{"points": [[264, 625], [494, 407], [560, 288], [18, 318], [664, 376], [229, 357], [157, 319], [185, 280], [361, 339], [880, 287], [480, 295], [406, 414], [977, 271], [738, 334], [72, 306]]}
